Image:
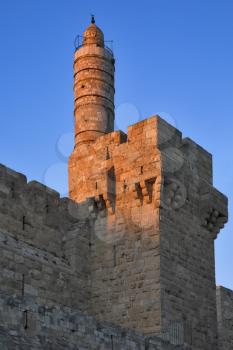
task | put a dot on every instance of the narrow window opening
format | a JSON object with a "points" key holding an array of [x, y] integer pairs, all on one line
{"points": [[23, 282], [24, 222], [47, 208], [112, 344], [12, 190], [114, 256], [25, 319]]}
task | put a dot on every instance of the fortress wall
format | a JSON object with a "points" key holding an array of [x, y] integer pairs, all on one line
{"points": [[32, 274], [25, 325], [29, 211], [225, 318], [44, 243]]}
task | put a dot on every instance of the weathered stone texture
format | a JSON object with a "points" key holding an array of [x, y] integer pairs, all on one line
{"points": [[38, 238], [134, 248], [152, 254], [187, 236], [25, 325], [124, 180], [93, 87], [225, 318], [43, 288]]}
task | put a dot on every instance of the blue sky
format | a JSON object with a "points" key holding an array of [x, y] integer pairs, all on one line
{"points": [[173, 57]]}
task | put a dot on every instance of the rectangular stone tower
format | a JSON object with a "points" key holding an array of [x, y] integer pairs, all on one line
{"points": [[154, 216]]}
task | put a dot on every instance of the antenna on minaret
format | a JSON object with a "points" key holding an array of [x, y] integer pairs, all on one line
{"points": [[92, 19]]}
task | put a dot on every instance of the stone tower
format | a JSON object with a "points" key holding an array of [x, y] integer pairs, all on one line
{"points": [[93, 87], [153, 209]]}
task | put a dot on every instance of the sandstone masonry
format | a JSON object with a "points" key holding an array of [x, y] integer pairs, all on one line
{"points": [[128, 261], [225, 317]]}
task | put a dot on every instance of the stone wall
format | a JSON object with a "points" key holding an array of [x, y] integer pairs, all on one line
{"points": [[225, 318], [191, 216], [44, 243], [28, 325]]}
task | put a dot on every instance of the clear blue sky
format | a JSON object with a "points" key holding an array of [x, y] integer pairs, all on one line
{"points": [[172, 56]]}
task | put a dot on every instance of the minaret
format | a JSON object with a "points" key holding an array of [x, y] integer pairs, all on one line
{"points": [[93, 87]]}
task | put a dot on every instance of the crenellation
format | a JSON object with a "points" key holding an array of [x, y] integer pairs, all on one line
{"points": [[213, 210], [11, 182], [38, 216]]}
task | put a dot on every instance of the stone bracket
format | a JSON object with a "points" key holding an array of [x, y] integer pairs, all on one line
{"points": [[213, 210], [214, 220], [102, 203], [110, 200], [143, 191]]}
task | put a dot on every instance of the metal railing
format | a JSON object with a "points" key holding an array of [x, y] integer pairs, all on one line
{"points": [[78, 42]]}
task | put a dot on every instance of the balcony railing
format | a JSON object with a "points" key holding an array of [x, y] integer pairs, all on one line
{"points": [[78, 42]]}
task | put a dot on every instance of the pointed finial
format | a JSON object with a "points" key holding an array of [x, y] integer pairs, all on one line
{"points": [[92, 19]]}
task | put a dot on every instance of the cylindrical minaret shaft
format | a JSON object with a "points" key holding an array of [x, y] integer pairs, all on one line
{"points": [[93, 87]]}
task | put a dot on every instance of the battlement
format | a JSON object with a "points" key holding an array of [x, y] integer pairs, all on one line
{"points": [[152, 149], [153, 130], [44, 242], [34, 212]]}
